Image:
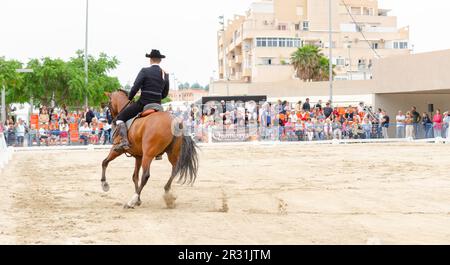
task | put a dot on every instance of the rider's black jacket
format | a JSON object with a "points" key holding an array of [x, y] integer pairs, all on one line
{"points": [[153, 83]]}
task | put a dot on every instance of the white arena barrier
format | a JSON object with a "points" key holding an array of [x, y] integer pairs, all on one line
{"points": [[5, 152]]}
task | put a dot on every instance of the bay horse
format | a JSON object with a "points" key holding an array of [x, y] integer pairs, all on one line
{"points": [[150, 136]]}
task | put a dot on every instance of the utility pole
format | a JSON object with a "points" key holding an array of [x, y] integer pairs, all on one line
{"points": [[86, 69], [331, 53], [3, 103]]}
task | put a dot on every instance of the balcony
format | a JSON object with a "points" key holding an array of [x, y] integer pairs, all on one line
{"points": [[247, 72], [238, 59]]}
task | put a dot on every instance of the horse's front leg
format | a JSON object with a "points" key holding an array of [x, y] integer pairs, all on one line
{"points": [[137, 167], [112, 155]]}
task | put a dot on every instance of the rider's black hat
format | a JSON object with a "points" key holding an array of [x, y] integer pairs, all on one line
{"points": [[155, 54]]}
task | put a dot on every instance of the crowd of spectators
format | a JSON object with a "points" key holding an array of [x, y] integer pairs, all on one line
{"points": [[59, 126], [305, 121], [281, 121]]}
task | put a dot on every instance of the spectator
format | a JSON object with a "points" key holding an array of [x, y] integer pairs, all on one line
{"points": [[327, 111], [44, 117], [20, 132], [400, 118], [328, 129], [85, 132], [409, 122], [54, 134], [337, 132], [11, 134], [33, 136], [319, 105], [64, 133], [367, 128], [416, 120], [106, 133], [447, 124], [427, 124], [43, 134], [306, 106], [437, 124], [89, 115], [385, 124], [309, 127]]}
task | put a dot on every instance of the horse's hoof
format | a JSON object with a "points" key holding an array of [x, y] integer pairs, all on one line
{"points": [[139, 203], [126, 206], [105, 186]]}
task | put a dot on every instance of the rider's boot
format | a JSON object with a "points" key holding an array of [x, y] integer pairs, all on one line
{"points": [[124, 145]]}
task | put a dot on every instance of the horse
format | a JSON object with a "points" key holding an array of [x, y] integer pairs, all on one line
{"points": [[150, 136]]}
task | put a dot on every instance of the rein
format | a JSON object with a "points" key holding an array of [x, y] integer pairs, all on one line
{"points": [[118, 114]]}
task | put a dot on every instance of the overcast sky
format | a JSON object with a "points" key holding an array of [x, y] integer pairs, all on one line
{"points": [[183, 30]]}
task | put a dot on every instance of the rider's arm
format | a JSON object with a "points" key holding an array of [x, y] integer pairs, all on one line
{"points": [[137, 84], [166, 86]]}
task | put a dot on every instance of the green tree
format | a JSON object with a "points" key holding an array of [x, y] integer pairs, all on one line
{"points": [[310, 64], [12, 81], [196, 86]]}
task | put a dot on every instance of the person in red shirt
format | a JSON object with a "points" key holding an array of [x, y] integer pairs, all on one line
{"points": [[437, 123]]}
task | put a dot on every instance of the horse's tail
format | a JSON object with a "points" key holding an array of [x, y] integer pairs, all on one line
{"points": [[187, 164]]}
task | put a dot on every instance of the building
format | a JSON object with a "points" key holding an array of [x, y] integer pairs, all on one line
{"points": [[398, 83], [187, 95], [256, 47]]}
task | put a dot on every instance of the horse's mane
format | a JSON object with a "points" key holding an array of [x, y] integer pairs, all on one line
{"points": [[123, 91]]}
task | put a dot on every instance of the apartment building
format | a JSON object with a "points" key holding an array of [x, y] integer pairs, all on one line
{"points": [[257, 46]]}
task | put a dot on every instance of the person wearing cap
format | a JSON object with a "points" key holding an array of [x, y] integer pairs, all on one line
{"points": [[153, 83]]}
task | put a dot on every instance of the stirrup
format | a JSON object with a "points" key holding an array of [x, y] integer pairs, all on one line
{"points": [[159, 157]]}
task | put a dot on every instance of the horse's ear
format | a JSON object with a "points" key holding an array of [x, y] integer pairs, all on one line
{"points": [[107, 94]]}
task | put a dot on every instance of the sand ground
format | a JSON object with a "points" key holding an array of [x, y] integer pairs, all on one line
{"points": [[281, 194]]}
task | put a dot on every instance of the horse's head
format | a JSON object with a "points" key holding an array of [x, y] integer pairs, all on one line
{"points": [[117, 101]]}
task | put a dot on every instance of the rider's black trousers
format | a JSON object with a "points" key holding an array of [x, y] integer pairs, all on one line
{"points": [[131, 111]]}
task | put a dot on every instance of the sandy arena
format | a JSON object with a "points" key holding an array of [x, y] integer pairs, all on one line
{"points": [[276, 194]]}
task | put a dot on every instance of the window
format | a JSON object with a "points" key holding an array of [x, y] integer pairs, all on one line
{"points": [[375, 45], [282, 27], [290, 43], [400, 45], [266, 61], [356, 10], [297, 27], [305, 25], [279, 42], [340, 61]]}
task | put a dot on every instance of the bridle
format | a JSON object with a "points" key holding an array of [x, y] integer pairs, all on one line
{"points": [[113, 124]]}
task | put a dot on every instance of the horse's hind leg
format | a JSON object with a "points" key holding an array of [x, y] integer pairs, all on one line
{"points": [[169, 198], [146, 162], [112, 155]]}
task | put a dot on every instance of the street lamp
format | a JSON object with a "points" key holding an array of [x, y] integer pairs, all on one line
{"points": [[86, 70], [331, 52], [349, 45], [225, 56]]}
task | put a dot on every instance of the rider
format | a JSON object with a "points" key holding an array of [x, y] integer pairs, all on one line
{"points": [[154, 85]]}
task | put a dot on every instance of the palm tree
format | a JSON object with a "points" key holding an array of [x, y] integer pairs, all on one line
{"points": [[310, 64], [323, 70], [305, 61]]}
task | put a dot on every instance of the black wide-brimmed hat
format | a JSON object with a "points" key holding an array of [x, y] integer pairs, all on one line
{"points": [[155, 54]]}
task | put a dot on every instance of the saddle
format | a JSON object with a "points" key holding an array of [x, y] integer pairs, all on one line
{"points": [[148, 110]]}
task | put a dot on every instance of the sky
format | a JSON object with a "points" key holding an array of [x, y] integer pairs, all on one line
{"points": [[185, 31]]}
